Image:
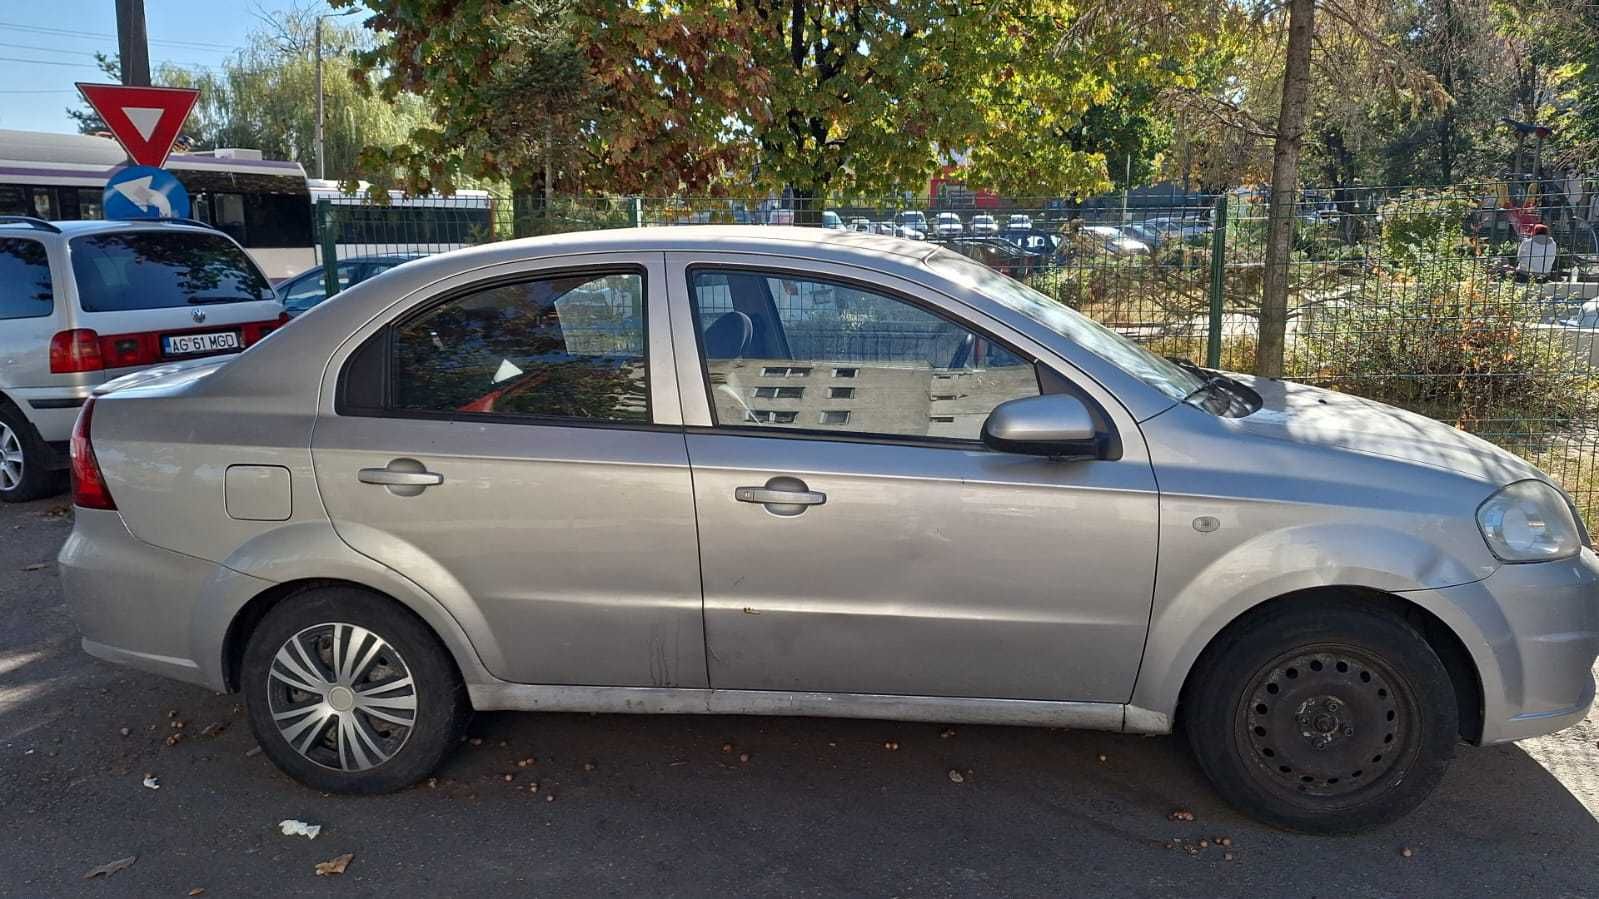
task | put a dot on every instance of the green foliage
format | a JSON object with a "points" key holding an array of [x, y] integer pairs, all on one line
{"points": [[823, 96], [1447, 339], [1419, 228]]}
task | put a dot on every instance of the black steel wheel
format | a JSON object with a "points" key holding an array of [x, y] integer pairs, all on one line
{"points": [[1323, 718]]}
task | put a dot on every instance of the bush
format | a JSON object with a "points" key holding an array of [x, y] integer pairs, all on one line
{"points": [[1445, 338]]}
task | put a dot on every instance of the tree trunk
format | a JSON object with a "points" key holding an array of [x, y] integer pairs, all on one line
{"points": [[1285, 189]]}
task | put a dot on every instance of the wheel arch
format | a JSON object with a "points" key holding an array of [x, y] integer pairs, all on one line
{"points": [[249, 616], [1464, 673]]}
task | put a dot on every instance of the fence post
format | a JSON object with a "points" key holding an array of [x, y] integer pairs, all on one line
{"points": [[1218, 282], [330, 246], [636, 210]]}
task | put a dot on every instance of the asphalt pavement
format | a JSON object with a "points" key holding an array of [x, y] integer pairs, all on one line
{"points": [[698, 806]]}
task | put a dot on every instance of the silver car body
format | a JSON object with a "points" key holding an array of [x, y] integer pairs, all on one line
{"points": [[612, 569]]}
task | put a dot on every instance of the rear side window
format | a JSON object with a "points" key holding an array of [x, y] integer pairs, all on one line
{"points": [[25, 289], [565, 347], [134, 270]]}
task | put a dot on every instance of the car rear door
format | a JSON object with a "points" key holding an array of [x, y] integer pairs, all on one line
{"points": [[512, 442], [856, 537]]}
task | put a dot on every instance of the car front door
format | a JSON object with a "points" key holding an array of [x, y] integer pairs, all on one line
{"points": [[857, 537], [512, 443]]}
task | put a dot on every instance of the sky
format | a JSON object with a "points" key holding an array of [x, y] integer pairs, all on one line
{"points": [[47, 45]]}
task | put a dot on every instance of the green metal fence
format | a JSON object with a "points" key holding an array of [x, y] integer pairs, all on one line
{"points": [[1443, 302]]}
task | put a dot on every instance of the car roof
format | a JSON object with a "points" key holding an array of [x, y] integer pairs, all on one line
{"points": [[75, 228]]}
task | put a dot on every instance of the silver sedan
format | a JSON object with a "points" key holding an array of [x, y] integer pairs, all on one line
{"points": [[802, 472]]}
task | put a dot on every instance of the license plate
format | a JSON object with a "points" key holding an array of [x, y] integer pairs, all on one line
{"points": [[184, 344]]}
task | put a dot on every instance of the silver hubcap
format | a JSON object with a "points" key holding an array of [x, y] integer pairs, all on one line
{"points": [[341, 696], [10, 458]]}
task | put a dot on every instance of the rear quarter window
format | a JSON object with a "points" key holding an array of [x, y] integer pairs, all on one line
{"points": [[25, 287], [133, 270]]}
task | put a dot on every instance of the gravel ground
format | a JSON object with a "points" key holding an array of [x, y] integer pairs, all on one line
{"points": [[658, 805]]}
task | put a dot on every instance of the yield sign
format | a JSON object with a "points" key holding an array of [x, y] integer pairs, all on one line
{"points": [[145, 120]]}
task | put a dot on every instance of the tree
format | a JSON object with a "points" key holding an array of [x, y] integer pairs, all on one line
{"points": [[1285, 187], [264, 97], [817, 96]]}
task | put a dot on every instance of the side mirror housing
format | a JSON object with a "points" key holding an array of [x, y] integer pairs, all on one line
{"points": [[1055, 424]]}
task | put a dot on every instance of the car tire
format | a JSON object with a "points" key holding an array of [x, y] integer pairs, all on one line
{"points": [[349, 692], [1322, 718], [26, 471]]}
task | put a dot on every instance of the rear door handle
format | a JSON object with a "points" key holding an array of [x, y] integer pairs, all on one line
{"points": [[784, 496], [402, 477]]}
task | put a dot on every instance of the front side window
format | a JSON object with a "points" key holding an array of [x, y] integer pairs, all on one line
{"points": [[908, 372], [564, 347], [25, 289], [158, 269]]}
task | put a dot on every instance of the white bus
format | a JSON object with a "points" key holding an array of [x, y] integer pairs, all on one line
{"points": [[267, 205], [264, 204]]}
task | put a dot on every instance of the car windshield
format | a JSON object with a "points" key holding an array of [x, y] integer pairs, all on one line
{"points": [[132, 270], [1159, 373]]}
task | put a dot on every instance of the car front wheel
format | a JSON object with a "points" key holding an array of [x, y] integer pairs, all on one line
{"points": [[350, 693], [1325, 718]]}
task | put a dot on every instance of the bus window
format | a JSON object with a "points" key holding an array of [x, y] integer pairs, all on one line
{"points": [[90, 202], [227, 211], [277, 220], [44, 203], [12, 200]]}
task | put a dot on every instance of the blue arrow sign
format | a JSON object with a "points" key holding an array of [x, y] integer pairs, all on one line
{"points": [[143, 192]]}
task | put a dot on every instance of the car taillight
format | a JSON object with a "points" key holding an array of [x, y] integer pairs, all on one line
{"points": [[88, 484], [74, 351]]}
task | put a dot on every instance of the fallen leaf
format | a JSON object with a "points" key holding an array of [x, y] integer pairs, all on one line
{"points": [[125, 731], [213, 729], [744, 757], [956, 776], [946, 733], [254, 751], [110, 868], [37, 566], [1407, 852], [1180, 815], [527, 762], [294, 828], [197, 891], [334, 865], [153, 782]]}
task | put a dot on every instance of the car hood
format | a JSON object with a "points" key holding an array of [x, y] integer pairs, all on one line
{"points": [[1298, 413]]}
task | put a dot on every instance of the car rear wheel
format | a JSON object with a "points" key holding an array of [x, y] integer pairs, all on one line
{"points": [[1326, 718], [350, 693], [25, 472]]}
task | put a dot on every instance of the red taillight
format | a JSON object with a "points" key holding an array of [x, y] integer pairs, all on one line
{"points": [[88, 485], [74, 351]]}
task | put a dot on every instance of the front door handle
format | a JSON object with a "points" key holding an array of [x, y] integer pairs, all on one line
{"points": [[784, 496], [403, 477]]}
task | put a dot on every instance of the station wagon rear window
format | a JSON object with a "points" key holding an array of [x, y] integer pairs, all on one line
{"points": [[133, 270]]}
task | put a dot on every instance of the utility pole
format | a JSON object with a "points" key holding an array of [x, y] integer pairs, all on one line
{"points": [[133, 44], [321, 159]]}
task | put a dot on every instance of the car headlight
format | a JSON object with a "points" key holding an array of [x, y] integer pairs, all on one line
{"points": [[1529, 521]]}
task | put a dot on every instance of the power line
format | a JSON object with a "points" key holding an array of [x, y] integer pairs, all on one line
{"points": [[64, 32], [50, 62]]}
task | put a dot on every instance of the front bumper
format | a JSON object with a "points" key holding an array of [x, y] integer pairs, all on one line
{"points": [[1533, 631], [137, 604]]}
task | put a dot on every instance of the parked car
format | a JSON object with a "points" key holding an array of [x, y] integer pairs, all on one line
{"points": [[861, 225], [984, 226], [1019, 222], [1114, 242], [908, 233], [948, 499], [84, 301], [884, 228], [913, 219], [830, 219], [1000, 255], [309, 288], [948, 224]]}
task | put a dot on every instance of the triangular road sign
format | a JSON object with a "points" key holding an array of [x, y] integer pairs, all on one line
{"points": [[145, 120]]}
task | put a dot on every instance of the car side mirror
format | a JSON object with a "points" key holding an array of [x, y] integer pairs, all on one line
{"points": [[1054, 424]]}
